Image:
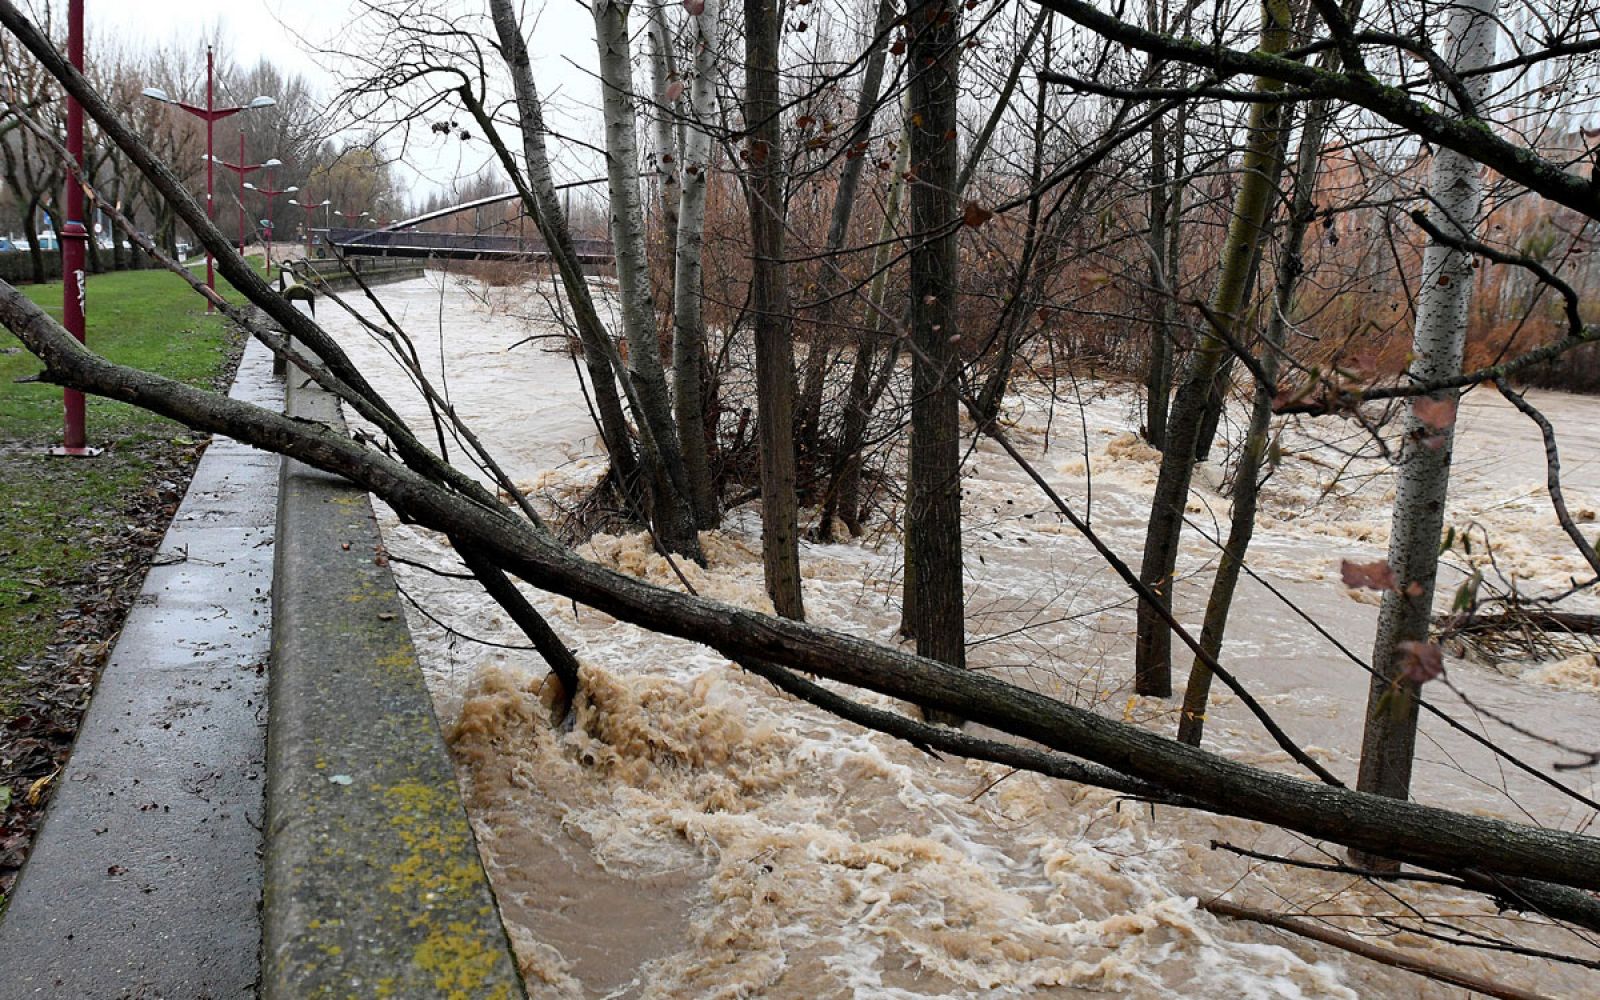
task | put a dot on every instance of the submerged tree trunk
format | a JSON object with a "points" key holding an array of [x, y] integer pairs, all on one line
{"points": [[542, 202], [674, 512], [933, 512], [780, 516], [842, 497], [1491, 851], [844, 199], [1423, 460], [1246, 476], [1252, 208], [688, 317]]}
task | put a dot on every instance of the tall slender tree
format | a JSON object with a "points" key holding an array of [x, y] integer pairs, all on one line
{"points": [[544, 204], [775, 390], [674, 510], [1400, 651], [1253, 203], [933, 511], [688, 293]]}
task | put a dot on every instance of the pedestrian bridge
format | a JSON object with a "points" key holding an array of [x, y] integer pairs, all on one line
{"points": [[456, 246]]}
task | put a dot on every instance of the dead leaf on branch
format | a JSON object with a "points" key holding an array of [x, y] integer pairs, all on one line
{"points": [[1435, 414], [1368, 576], [1421, 662]]}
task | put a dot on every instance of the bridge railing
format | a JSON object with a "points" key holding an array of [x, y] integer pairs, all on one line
{"points": [[379, 242]]}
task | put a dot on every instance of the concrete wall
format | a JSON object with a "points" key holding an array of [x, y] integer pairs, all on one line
{"points": [[373, 884]]}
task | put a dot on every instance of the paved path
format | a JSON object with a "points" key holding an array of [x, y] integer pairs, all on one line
{"points": [[146, 878]]}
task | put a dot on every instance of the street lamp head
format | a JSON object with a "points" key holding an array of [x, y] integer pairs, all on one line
{"points": [[274, 162], [262, 102], [291, 188], [293, 202], [248, 186], [325, 202], [157, 94]]}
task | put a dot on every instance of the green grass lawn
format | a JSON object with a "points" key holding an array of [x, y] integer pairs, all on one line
{"points": [[59, 518]]}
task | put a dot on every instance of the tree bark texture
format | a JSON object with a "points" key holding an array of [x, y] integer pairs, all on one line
{"points": [[775, 390], [1423, 460], [674, 512], [933, 513], [688, 317], [1252, 208], [666, 153]]}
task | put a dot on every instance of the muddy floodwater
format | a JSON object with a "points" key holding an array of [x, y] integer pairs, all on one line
{"points": [[699, 835]]}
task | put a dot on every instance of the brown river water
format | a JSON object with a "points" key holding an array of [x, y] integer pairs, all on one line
{"points": [[699, 835]]}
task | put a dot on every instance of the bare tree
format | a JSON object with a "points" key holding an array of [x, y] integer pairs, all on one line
{"points": [[1262, 166], [775, 390], [688, 295], [933, 507], [1401, 651]]}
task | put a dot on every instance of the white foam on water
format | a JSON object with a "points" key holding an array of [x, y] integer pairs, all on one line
{"points": [[698, 834]]}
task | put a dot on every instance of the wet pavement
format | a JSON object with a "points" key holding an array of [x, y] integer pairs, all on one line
{"points": [[146, 878]]}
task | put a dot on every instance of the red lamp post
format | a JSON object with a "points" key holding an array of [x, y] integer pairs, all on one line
{"points": [[350, 217], [244, 170], [311, 211], [210, 114], [271, 193], [74, 247]]}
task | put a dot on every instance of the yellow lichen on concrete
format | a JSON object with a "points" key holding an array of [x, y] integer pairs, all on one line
{"points": [[438, 865], [461, 963], [398, 659]]}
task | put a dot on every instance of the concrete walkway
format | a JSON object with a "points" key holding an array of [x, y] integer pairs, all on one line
{"points": [[145, 881]]}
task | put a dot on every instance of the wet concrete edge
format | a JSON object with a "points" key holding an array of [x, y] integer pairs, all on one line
{"points": [[374, 886], [340, 282]]}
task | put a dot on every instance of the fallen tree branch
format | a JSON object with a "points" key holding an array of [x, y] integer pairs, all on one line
{"points": [[1570, 622], [1386, 956], [1417, 834], [1552, 465]]}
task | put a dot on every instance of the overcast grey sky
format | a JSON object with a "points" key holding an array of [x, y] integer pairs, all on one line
{"points": [[288, 33]]}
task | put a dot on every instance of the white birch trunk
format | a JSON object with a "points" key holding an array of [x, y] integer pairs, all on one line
{"points": [[598, 354], [665, 154], [674, 514], [689, 329], [1423, 469]]}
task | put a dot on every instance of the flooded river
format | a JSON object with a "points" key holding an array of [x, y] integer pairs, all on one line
{"points": [[700, 835]]}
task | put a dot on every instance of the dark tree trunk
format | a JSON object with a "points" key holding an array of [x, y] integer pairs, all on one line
{"points": [[933, 512], [780, 531], [540, 199], [818, 357], [1252, 208]]}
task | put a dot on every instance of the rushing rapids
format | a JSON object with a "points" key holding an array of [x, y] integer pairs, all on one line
{"points": [[697, 834]]}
